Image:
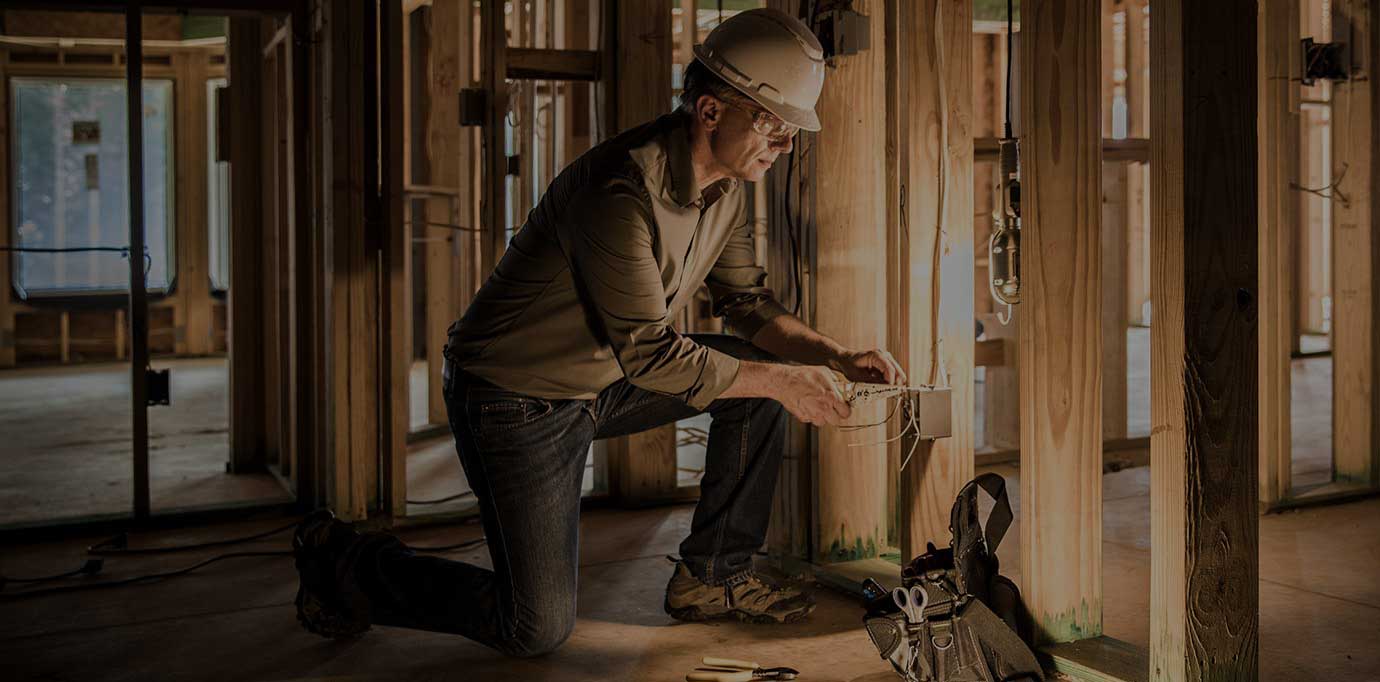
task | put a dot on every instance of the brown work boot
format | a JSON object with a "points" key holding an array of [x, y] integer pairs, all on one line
{"points": [[327, 604], [744, 596]]}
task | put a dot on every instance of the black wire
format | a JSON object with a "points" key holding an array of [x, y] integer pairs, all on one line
{"points": [[1009, 24], [792, 230], [115, 545], [87, 569], [152, 577], [122, 250]]}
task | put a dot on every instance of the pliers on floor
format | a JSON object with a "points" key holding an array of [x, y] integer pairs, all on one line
{"points": [[729, 670]]}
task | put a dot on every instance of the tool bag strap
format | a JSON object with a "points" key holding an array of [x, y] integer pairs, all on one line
{"points": [[998, 521]]}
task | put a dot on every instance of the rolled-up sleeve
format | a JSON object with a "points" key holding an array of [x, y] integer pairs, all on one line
{"points": [[608, 234], [738, 286]]}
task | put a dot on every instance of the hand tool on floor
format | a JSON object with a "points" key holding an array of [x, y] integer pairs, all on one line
{"points": [[912, 601], [729, 670]]}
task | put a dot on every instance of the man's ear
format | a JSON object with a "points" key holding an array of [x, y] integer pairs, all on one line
{"points": [[709, 110]]}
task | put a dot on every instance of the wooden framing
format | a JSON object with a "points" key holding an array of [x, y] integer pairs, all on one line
{"points": [[642, 467], [1204, 601], [548, 64], [1355, 373], [395, 314], [1278, 141], [1061, 335], [351, 348], [852, 516], [248, 426], [1115, 226], [931, 331]]}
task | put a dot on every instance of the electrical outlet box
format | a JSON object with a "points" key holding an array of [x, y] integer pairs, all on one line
{"points": [[160, 391], [474, 105], [844, 32]]}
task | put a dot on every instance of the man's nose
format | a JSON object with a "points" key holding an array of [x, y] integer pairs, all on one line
{"points": [[784, 145]]}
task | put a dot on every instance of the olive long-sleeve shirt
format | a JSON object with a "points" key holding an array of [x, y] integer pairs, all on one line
{"points": [[617, 246]]}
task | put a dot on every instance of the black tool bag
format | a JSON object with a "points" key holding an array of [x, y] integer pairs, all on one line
{"points": [[973, 618]]}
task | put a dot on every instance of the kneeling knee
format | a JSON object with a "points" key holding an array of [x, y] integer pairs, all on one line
{"points": [[540, 638]]}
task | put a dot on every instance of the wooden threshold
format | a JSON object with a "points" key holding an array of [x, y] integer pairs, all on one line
{"points": [[1013, 455], [1320, 495]]}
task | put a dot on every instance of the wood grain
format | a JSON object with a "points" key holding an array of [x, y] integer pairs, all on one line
{"points": [[936, 252], [1115, 317], [1061, 336], [1278, 133], [642, 466], [851, 278], [1204, 573], [1354, 370]]}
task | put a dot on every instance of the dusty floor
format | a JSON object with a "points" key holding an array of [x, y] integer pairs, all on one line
{"points": [[1319, 597], [67, 449]]}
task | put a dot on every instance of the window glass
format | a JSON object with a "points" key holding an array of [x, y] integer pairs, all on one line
{"points": [[217, 194], [69, 184]]}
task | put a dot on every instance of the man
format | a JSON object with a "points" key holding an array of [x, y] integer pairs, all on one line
{"points": [[569, 341]]}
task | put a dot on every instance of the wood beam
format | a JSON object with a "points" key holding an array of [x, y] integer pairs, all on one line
{"points": [[531, 63], [351, 252], [395, 317], [851, 233], [193, 251], [1204, 592], [1115, 317], [246, 389], [447, 49], [642, 467], [1115, 198], [7, 302], [934, 242], [1061, 335], [1278, 134], [1355, 373], [494, 203], [1137, 173]]}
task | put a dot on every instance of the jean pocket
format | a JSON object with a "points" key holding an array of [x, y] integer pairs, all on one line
{"points": [[509, 414]]}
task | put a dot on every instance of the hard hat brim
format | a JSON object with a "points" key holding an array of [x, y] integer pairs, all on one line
{"points": [[805, 119]]}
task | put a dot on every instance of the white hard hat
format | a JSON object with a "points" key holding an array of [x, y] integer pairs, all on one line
{"points": [[771, 57]]}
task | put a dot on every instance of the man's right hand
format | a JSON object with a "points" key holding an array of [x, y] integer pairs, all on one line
{"points": [[812, 394]]}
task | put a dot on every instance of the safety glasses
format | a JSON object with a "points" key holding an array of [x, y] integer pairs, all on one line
{"points": [[767, 124]]}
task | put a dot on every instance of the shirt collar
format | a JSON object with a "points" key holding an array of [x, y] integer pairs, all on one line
{"points": [[680, 181]]}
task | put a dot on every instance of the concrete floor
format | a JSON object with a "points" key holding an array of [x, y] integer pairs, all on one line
{"points": [[1319, 597], [67, 433], [67, 443]]}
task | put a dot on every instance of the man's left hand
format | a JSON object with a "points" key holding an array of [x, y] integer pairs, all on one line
{"points": [[871, 366]]}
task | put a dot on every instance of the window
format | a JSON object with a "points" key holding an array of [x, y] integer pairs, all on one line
{"points": [[69, 184], [217, 194]]}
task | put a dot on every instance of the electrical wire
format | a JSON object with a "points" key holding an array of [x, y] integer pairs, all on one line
{"points": [[115, 547]]}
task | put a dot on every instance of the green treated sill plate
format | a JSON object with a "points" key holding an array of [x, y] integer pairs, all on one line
{"points": [[1099, 659]]}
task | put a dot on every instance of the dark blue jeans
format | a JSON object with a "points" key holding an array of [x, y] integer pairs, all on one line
{"points": [[525, 459]]}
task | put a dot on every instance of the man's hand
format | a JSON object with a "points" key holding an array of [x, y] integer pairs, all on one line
{"points": [[811, 394], [871, 366]]}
